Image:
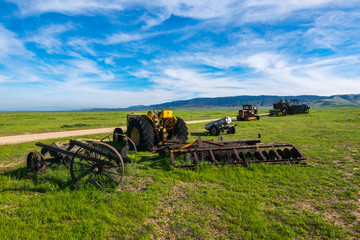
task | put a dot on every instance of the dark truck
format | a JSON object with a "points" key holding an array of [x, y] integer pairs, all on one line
{"points": [[288, 106]]}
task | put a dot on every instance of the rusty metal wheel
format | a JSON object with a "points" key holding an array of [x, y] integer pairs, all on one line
{"points": [[99, 164], [35, 162]]}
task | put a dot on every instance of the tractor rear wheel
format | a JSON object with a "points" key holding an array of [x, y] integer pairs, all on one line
{"points": [[180, 130], [142, 133]]}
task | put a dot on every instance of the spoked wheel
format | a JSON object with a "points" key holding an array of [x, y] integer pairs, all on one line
{"points": [[35, 162], [122, 146], [99, 164]]}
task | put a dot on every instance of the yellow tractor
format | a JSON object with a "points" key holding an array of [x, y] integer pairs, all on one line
{"points": [[248, 113], [155, 128]]}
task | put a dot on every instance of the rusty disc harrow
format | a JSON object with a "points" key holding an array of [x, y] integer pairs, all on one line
{"points": [[235, 152]]}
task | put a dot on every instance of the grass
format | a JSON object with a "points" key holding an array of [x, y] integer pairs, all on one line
{"points": [[158, 201]]}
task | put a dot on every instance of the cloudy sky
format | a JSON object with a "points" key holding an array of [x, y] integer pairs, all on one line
{"points": [[77, 54]]}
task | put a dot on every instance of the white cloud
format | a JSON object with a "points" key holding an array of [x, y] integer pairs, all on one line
{"points": [[267, 62], [263, 73], [48, 37], [84, 71], [335, 28], [160, 10], [82, 45], [109, 60], [123, 37], [188, 82], [4, 79], [129, 37], [141, 73], [77, 93], [10, 44], [318, 77], [36, 7]]}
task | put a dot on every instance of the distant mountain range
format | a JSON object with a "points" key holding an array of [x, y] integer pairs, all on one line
{"points": [[264, 101]]}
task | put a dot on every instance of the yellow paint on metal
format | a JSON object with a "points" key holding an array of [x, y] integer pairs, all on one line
{"points": [[135, 135], [166, 114], [188, 145]]}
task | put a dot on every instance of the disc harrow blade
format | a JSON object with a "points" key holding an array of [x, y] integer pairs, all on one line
{"points": [[203, 152]]}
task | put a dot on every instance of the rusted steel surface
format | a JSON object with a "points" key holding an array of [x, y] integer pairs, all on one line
{"points": [[200, 143], [235, 152]]}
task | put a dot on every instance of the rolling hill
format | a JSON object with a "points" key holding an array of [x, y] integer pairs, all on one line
{"points": [[264, 101]]}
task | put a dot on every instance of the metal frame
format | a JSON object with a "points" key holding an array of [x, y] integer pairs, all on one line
{"points": [[236, 153]]}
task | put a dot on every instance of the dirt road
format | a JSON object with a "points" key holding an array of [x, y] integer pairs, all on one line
{"points": [[7, 140]]}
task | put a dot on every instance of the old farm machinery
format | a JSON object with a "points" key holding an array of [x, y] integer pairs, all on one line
{"points": [[101, 163], [155, 128], [288, 107], [221, 125], [234, 152], [248, 113]]}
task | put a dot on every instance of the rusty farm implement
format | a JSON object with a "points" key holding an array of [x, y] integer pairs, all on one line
{"points": [[101, 163], [234, 152]]}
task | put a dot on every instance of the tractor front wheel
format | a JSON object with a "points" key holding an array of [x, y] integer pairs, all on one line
{"points": [[142, 133]]}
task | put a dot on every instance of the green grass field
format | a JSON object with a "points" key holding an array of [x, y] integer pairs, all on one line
{"points": [[157, 201]]}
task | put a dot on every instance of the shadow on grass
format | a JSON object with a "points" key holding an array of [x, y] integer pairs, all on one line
{"points": [[40, 180], [201, 134], [156, 162]]}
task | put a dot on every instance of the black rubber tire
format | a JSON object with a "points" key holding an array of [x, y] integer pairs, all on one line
{"points": [[146, 133], [214, 131], [180, 130], [117, 138], [232, 130]]}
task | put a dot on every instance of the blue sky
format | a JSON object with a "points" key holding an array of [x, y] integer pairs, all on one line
{"points": [[75, 54]]}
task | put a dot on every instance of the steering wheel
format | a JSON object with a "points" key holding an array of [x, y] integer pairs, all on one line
{"points": [[157, 110]]}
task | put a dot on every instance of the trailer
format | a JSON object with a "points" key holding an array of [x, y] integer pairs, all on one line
{"points": [[96, 162], [221, 125]]}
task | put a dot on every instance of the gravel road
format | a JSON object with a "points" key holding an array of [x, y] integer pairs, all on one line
{"points": [[7, 140]]}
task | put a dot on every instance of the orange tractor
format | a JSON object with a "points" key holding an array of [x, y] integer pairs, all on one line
{"points": [[249, 112]]}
